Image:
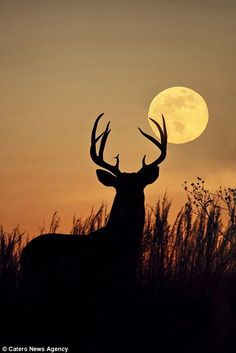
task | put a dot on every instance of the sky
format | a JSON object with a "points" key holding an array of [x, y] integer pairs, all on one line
{"points": [[64, 62]]}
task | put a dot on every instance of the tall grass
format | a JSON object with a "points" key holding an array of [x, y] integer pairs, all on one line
{"points": [[198, 249], [93, 222], [10, 249]]}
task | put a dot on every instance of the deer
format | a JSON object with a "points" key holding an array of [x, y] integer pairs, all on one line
{"points": [[115, 245]]}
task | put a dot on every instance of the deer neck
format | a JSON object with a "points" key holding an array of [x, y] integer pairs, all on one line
{"points": [[127, 216]]}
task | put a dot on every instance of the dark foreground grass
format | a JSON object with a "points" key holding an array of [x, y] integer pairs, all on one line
{"points": [[184, 299]]}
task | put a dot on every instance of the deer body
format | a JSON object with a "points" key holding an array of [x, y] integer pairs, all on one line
{"points": [[116, 246]]}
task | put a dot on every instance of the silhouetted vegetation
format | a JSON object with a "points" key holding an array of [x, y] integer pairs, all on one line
{"points": [[186, 282], [199, 248], [10, 250]]}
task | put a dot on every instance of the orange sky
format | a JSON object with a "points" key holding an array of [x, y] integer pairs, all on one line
{"points": [[64, 62]]}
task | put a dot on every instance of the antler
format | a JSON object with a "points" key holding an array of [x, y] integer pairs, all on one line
{"points": [[98, 158], [161, 145]]}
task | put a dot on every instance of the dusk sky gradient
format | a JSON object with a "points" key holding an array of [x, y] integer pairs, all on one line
{"points": [[64, 62]]}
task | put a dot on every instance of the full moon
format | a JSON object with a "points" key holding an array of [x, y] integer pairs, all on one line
{"points": [[185, 113]]}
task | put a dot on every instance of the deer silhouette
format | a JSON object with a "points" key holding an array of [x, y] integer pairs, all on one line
{"points": [[116, 246]]}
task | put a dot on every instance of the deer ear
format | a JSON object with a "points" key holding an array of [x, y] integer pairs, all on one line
{"points": [[149, 175], [106, 178]]}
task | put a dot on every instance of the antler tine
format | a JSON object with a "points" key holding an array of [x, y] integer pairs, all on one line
{"points": [[161, 145], [104, 140], [93, 135], [163, 133], [117, 161], [98, 158]]}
